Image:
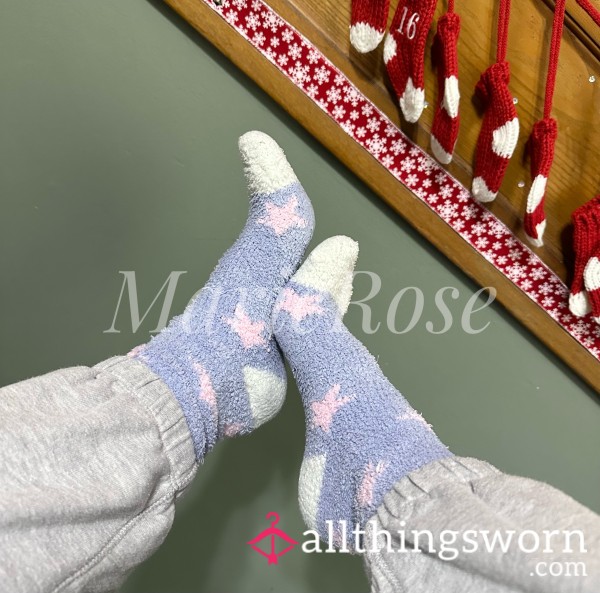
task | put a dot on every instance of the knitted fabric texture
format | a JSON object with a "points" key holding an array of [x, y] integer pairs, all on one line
{"points": [[586, 243], [591, 276], [541, 147], [446, 121], [500, 127], [220, 358], [368, 23], [499, 132], [404, 54], [362, 436], [542, 141]]}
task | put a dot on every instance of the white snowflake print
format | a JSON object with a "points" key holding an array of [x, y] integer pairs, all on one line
{"points": [[373, 124], [479, 228], [387, 161], [353, 115], [252, 21], [390, 130], [313, 56], [547, 302], [295, 51], [287, 35], [352, 96], [398, 146], [526, 285], [312, 90], [338, 112], [321, 75], [470, 211], [239, 4], [367, 109], [361, 132], [482, 243], [412, 180], [271, 21], [376, 145], [299, 73], [340, 79], [282, 60], [333, 95], [231, 17], [407, 165], [448, 210], [258, 39], [446, 191], [458, 224], [274, 41], [537, 273]]}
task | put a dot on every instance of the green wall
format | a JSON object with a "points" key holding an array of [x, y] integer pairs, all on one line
{"points": [[118, 152]]}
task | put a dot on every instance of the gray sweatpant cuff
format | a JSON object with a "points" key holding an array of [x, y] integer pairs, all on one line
{"points": [[455, 496], [156, 397]]}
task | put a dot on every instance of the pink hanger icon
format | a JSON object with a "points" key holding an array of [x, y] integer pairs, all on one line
{"points": [[272, 532]]}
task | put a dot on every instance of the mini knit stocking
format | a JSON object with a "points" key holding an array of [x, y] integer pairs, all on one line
{"points": [[591, 276], [541, 147], [404, 54], [586, 242], [444, 130], [368, 23], [542, 141], [500, 126], [362, 436], [219, 358]]}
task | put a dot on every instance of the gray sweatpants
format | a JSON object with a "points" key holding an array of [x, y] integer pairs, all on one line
{"points": [[92, 461]]}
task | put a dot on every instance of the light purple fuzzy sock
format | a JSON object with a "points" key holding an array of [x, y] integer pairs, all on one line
{"points": [[220, 358], [362, 436]]}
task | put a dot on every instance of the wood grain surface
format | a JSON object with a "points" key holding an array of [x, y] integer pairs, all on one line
{"points": [[575, 177]]}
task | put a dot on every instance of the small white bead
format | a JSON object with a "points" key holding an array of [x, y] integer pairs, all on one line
{"points": [[515, 100], [592, 78], [521, 184]]}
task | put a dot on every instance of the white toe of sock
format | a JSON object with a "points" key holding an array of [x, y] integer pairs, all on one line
{"points": [[330, 268], [266, 168], [365, 38]]}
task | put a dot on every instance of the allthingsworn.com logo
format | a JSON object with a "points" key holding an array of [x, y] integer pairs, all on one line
{"points": [[565, 549]]}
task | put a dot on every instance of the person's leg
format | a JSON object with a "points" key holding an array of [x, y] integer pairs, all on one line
{"points": [[462, 526], [92, 460], [373, 462]]}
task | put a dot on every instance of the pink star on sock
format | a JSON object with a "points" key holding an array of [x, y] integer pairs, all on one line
{"points": [[207, 393], [249, 331], [282, 218], [324, 410], [367, 485], [299, 306]]}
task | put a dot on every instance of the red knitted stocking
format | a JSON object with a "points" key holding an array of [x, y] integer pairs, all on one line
{"points": [[586, 244], [404, 54], [542, 141], [500, 126], [368, 23], [444, 130]]}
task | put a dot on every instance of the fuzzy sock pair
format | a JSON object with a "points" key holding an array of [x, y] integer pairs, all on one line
{"points": [[221, 361], [404, 57]]}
